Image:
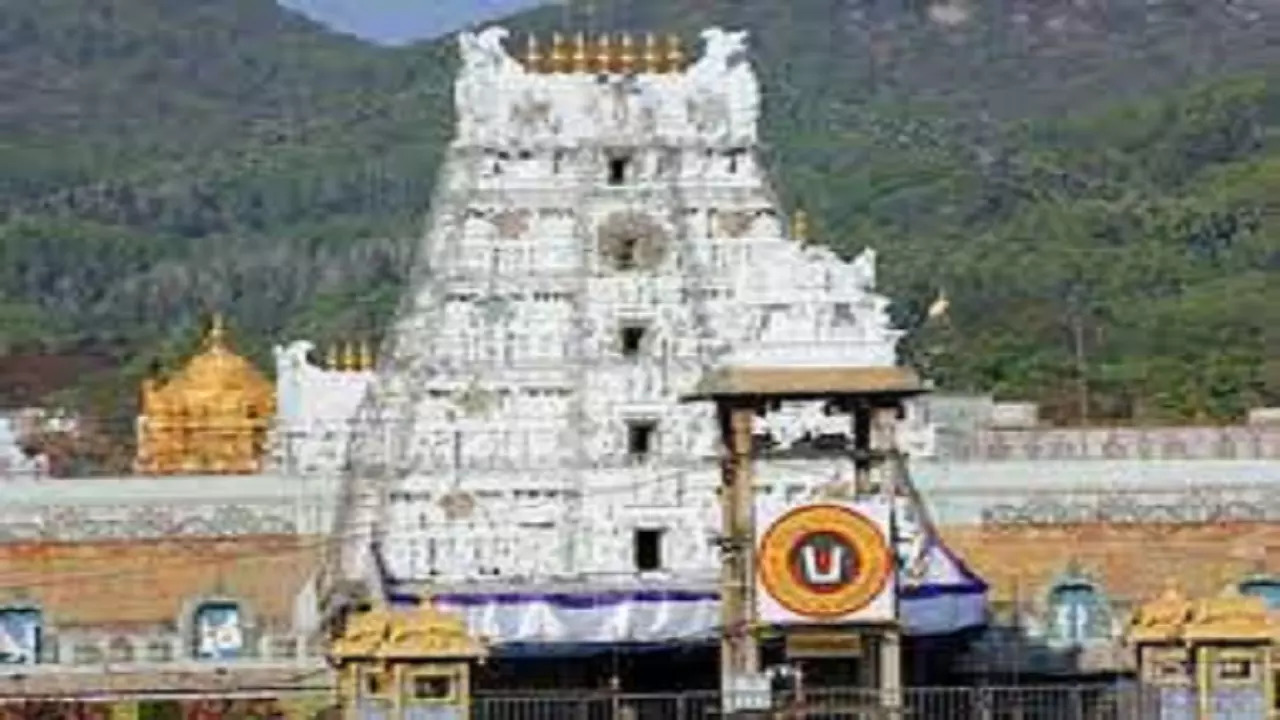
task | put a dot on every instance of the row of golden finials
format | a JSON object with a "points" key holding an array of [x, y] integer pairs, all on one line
{"points": [[605, 55], [350, 357]]}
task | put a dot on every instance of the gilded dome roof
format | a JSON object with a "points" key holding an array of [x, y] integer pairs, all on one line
{"points": [[218, 372]]}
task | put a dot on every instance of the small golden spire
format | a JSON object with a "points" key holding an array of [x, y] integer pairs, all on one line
{"points": [[580, 63], [559, 54], [626, 55], [652, 55], [800, 227], [349, 358], [532, 56], [366, 355], [604, 55], [217, 334], [331, 358], [675, 55]]}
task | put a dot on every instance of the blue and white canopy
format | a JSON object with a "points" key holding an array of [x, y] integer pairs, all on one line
{"points": [[940, 596]]}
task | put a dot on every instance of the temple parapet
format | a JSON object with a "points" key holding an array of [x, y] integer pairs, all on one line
{"points": [[581, 91], [318, 404]]}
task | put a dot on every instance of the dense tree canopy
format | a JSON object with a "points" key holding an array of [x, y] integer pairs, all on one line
{"points": [[1093, 185]]}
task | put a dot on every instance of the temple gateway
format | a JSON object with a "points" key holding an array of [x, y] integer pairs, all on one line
{"points": [[526, 485], [602, 237]]}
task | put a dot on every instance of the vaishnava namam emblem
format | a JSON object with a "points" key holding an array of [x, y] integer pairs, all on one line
{"points": [[824, 561]]}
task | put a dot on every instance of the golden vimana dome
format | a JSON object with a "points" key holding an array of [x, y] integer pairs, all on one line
{"points": [[211, 416]]}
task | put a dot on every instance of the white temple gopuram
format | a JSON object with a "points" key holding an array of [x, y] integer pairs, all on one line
{"points": [[601, 235]]}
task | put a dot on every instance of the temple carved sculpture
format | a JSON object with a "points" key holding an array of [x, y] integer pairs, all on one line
{"points": [[212, 416]]}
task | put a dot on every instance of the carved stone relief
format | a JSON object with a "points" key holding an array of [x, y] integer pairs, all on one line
{"points": [[512, 223], [75, 524], [632, 240]]}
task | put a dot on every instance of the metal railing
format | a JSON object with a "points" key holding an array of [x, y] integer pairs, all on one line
{"points": [[1096, 701]]}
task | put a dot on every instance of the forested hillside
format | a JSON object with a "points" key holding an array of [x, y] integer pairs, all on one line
{"points": [[1093, 184]]}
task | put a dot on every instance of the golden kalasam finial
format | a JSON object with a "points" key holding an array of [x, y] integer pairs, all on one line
{"points": [[217, 331], [652, 55], [532, 56], [675, 55], [366, 355], [800, 226], [604, 55], [626, 55], [349, 358], [580, 61], [331, 358], [559, 54]]}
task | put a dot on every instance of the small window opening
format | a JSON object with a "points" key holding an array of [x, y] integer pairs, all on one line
{"points": [[618, 167], [626, 257], [1235, 669], [632, 340], [647, 544], [432, 687], [640, 438], [733, 160]]}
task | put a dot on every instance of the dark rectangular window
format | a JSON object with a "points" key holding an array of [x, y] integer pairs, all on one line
{"points": [[640, 438], [648, 549], [632, 340], [625, 259], [618, 166]]}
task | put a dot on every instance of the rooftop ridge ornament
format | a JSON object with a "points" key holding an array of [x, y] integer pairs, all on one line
{"points": [[652, 55], [216, 336], [604, 55], [608, 54], [559, 59], [533, 57], [675, 54], [349, 359], [579, 59], [800, 227], [626, 60]]}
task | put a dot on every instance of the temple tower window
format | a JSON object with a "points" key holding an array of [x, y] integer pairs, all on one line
{"points": [[619, 166], [631, 339], [647, 549], [640, 439]]}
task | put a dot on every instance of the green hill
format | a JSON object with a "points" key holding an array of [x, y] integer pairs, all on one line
{"points": [[1093, 184]]}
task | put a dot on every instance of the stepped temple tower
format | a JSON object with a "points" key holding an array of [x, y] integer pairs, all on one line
{"points": [[602, 235]]}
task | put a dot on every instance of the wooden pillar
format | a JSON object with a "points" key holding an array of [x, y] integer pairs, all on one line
{"points": [[862, 458], [739, 654], [891, 669]]}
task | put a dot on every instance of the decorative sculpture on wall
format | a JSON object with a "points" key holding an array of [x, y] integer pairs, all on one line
{"points": [[632, 241]]}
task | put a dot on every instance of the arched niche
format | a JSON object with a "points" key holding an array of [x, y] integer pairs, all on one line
{"points": [[1077, 612], [21, 634], [1266, 587], [218, 629]]}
